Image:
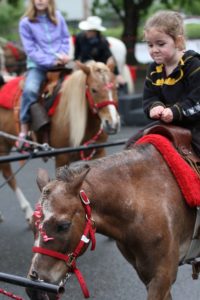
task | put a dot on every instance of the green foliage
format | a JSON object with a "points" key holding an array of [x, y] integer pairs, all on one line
{"points": [[188, 6], [9, 18], [193, 31], [115, 32], [104, 9], [14, 2]]}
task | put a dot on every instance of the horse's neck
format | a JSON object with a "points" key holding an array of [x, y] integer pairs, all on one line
{"points": [[106, 217], [109, 189]]}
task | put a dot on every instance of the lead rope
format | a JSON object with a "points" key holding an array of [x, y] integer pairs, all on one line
{"points": [[91, 141], [11, 295]]}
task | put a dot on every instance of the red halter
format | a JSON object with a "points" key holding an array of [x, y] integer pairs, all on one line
{"points": [[96, 106], [70, 259], [91, 141]]}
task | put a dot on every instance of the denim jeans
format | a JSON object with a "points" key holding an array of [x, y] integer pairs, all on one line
{"points": [[33, 81]]}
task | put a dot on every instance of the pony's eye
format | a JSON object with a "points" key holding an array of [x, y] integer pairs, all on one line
{"points": [[94, 91], [63, 226]]}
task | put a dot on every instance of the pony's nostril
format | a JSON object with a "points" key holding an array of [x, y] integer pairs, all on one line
{"points": [[34, 275], [107, 123]]}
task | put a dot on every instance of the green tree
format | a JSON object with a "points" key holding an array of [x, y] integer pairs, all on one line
{"points": [[14, 2], [132, 13], [10, 14], [129, 13]]}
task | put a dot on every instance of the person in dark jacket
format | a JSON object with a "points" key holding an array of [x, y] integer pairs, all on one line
{"points": [[172, 86], [90, 44]]}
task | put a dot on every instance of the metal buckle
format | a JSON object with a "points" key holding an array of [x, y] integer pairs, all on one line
{"points": [[82, 195], [71, 260]]}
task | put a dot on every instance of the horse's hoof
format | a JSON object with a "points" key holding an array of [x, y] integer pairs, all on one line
{"points": [[28, 213]]}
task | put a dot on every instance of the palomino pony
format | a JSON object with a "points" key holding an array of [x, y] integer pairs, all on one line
{"points": [[86, 111], [131, 197]]}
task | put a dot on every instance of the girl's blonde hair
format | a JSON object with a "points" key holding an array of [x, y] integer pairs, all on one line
{"points": [[31, 11], [171, 23]]}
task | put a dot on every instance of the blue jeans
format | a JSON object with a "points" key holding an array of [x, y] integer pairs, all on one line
{"points": [[33, 81]]}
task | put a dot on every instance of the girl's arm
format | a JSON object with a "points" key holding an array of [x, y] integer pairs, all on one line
{"points": [[151, 98], [65, 36], [190, 106], [32, 50]]}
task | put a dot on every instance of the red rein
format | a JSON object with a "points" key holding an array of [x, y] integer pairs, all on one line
{"points": [[95, 107], [70, 259]]}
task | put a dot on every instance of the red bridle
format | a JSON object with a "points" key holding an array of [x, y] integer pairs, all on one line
{"points": [[70, 259], [96, 106]]}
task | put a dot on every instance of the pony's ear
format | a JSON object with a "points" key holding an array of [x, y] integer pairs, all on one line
{"points": [[79, 178], [83, 67], [111, 63], [42, 178]]}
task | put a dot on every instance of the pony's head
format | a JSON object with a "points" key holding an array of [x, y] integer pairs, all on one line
{"points": [[62, 227], [101, 93], [89, 102]]}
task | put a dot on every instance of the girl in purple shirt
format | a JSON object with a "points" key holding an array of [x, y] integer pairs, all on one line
{"points": [[45, 38]]}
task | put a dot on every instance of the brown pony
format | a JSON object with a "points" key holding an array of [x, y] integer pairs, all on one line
{"points": [[134, 199], [86, 110], [14, 58]]}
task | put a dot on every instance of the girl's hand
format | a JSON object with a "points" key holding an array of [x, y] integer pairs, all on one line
{"points": [[62, 59], [156, 112], [167, 115], [120, 79]]}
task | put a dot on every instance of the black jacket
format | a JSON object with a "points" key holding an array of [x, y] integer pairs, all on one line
{"points": [[180, 91], [92, 49]]}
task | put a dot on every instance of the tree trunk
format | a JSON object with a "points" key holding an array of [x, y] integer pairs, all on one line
{"points": [[129, 36]]}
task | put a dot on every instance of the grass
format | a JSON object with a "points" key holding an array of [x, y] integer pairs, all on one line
{"points": [[193, 31]]}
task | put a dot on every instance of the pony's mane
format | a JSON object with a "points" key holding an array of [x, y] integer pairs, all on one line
{"points": [[73, 103], [72, 110], [67, 173]]}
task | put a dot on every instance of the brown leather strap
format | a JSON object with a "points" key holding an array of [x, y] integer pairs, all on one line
{"points": [[179, 136]]}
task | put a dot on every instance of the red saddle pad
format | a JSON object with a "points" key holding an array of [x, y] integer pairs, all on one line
{"points": [[186, 177], [10, 93]]}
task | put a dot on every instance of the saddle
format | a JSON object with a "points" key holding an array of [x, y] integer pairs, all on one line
{"points": [[181, 139], [49, 90]]}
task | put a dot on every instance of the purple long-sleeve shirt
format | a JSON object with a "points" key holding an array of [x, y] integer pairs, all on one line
{"points": [[43, 40]]}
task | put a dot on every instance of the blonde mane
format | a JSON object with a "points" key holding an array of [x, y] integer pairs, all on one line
{"points": [[73, 107]]}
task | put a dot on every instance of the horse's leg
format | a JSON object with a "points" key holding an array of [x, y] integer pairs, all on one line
{"points": [[24, 204], [159, 286], [156, 269]]}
